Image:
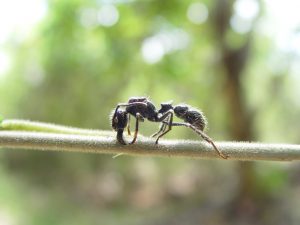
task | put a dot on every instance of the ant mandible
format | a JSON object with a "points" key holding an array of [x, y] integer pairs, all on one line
{"points": [[141, 108]]}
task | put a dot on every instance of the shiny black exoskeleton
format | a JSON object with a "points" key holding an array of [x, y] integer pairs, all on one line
{"points": [[141, 107], [119, 123]]}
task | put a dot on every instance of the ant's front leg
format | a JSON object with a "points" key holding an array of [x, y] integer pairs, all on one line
{"points": [[128, 126], [138, 117]]}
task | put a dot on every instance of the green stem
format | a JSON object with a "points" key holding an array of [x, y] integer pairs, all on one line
{"points": [[23, 134], [147, 147], [26, 125]]}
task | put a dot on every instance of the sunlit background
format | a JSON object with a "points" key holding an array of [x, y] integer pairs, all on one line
{"points": [[70, 62]]}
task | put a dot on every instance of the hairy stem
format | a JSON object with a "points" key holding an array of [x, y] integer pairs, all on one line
{"points": [[145, 146], [26, 125]]}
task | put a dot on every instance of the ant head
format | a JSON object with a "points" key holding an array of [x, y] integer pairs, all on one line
{"points": [[180, 110], [165, 107], [119, 119]]}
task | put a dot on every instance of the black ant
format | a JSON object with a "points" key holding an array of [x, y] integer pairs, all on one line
{"points": [[141, 107]]}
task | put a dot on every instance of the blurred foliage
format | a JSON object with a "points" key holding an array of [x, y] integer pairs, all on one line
{"points": [[72, 70]]}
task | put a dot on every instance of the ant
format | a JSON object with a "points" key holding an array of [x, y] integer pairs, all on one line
{"points": [[141, 108]]}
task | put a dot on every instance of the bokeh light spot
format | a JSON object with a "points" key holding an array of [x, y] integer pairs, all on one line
{"points": [[245, 11], [108, 15], [88, 17], [154, 48], [197, 13]]}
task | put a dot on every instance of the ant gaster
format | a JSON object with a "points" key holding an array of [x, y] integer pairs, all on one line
{"points": [[141, 107]]}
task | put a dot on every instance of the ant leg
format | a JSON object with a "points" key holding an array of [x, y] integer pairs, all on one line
{"points": [[204, 136], [162, 128], [128, 126], [209, 140], [168, 114], [138, 117]]}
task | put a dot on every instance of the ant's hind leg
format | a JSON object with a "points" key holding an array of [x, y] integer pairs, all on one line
{"points": [[209, 140], [203, 135]]}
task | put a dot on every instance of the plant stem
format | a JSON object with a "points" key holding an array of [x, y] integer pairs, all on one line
{"points": [[146, 147], [26, 125]]}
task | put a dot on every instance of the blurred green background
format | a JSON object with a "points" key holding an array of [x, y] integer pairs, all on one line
{"points": [[71, 61]]}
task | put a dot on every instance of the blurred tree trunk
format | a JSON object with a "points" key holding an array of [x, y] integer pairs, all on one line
{"points": [[234, 61]]}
